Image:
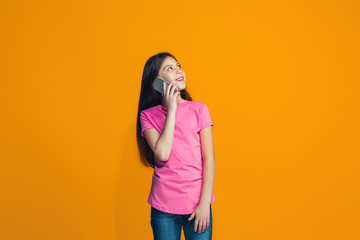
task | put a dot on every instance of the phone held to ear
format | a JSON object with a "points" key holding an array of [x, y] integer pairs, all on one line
{"points": [[158, 85]]}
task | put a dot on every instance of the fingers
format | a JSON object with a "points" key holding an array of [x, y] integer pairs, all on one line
{"points": [[169, 89], [166, 89], [201, 225], [172, 89], [191, 216]]}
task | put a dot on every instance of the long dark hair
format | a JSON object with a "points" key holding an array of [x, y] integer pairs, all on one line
{"points": [[149, 97]]}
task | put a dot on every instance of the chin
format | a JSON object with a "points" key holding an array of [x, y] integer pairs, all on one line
{"points": [[180, 89]]}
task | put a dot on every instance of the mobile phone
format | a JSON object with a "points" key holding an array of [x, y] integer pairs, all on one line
{"points": [[158, 85]]}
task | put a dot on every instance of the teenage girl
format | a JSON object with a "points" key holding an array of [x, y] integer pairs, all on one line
{"points": [[174, 136]]}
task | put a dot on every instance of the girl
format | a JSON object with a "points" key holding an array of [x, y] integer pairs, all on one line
{"points": [[174, 136]]}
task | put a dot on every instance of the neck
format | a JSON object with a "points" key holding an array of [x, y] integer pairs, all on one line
{"points": [[178, 100]]}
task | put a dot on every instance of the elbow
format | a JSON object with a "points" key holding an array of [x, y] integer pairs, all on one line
{"points": [[161, 154], [162, 157], [209, 159]]}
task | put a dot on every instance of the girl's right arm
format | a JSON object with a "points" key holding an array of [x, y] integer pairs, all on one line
{"points": [[161, 144], [164, 143]]}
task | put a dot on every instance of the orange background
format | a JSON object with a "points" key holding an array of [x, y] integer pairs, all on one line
{"points": [[281, 81]]}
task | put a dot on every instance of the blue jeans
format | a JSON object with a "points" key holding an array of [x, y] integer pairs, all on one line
{"points": [[167, 226]]}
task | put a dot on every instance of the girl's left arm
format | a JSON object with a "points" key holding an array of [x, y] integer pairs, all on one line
{"points": [[202, 211], [207, 149]]}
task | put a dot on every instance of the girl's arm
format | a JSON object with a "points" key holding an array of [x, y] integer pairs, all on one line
{"points": [[161, 144], [207, 149], [202, 211]]}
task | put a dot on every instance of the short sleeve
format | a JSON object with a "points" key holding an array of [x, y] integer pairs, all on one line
{"points": [[205, 117], [145, 123]]}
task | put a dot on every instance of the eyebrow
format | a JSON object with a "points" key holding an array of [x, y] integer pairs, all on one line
{"points": [[171, 65]]}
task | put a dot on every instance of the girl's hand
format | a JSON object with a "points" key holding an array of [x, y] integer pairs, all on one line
{"points": [[202, 217], [170, 98]]}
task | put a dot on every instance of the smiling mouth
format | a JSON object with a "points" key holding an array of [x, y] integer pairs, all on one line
{"points": [[180, 79]]}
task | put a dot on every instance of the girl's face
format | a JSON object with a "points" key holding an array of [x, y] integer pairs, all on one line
{"points": [[171, 71]]}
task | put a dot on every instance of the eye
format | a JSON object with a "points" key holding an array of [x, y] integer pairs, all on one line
{"points": [[171, 67]]}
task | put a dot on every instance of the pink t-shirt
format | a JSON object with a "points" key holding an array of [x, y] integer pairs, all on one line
{"points": [[177, 182]]}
